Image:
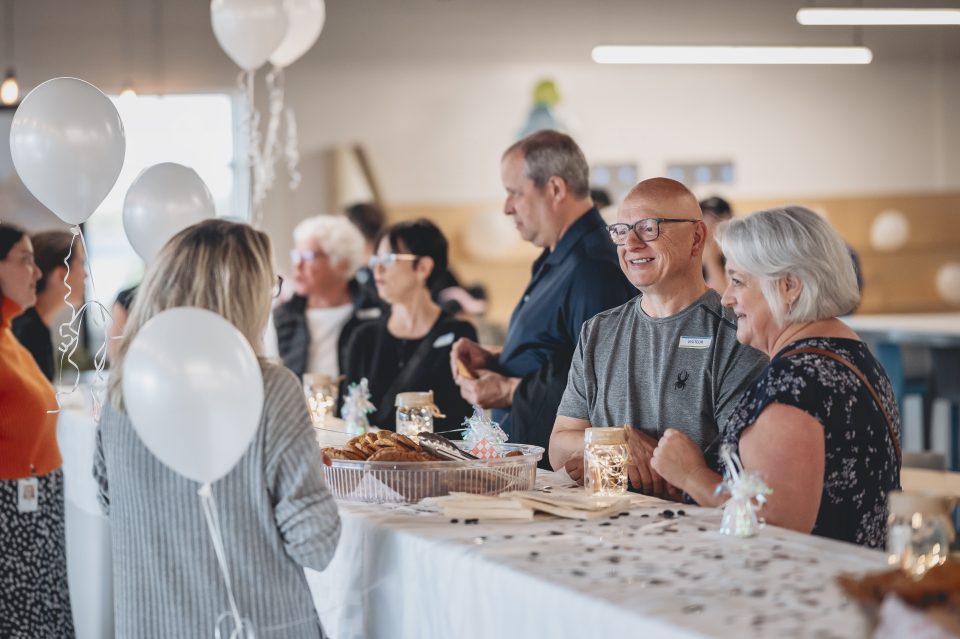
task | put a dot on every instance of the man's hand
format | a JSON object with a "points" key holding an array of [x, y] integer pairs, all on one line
{"points": [[677, 458], [473, 356], [489, 390], [642, 475], [574, 468]]}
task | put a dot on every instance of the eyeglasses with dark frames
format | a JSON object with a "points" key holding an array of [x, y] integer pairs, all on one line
{"points": [[646, 230], [278, 287]]}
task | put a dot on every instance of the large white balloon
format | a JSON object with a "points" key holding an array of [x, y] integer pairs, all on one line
{"points": [[163, 200], [249, 31], [68, 145], [306, 22], [193, 389]]}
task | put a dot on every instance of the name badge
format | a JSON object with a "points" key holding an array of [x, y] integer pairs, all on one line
{"points": [[444, 340], [28, 491], [695, 342]]}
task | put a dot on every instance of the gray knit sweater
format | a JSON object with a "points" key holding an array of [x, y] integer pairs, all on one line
{"points": [[276, 515]]}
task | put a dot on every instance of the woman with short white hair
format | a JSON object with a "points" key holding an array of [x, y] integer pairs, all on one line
{"points": [[820, 424], [311, 330]]}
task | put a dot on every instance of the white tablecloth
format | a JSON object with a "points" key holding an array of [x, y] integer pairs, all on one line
{"points": [[404, 571], [89, 564], [931, 329]]}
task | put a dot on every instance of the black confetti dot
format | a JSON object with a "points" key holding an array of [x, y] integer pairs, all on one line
{"points": [[701, 529], [644, 515], [578, 573], [667, 513], [614, 560], [681, 513], [606, 523], [555, 532], [589, 549], [471, 521], [534, 553], [624, 514], [454, 521]]}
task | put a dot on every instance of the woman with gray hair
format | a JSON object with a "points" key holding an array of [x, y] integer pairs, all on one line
{"points": [[311, 329], [820, 424]]}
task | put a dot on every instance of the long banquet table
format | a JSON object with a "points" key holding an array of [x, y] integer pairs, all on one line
{"points": [[407, 571]]}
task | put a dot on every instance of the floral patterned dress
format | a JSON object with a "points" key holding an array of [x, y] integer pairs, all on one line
{"points": [[861, 463]]}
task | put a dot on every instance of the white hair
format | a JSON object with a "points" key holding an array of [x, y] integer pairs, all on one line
{"points": [[795, 241], [336, 236]]}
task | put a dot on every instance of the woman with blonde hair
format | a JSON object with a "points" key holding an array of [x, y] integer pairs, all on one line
{"points": [[276, 513], [820, 424]]}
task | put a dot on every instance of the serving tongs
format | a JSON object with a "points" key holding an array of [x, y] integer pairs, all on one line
{"points": [[442, 447]]}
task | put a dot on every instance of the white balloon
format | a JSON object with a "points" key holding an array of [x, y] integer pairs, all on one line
{"points": [[249, 31], [948, 282], [193, 389], [164, 199], [889, 231], [306, 22], [68, 145]]}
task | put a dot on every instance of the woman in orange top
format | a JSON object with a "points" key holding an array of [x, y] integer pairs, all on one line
{"points": [[34, 598]]}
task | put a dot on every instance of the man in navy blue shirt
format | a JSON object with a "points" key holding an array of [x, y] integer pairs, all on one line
{"points": [[546, 178]]}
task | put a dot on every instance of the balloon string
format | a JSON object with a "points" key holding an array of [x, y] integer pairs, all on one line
{"points": [[275, 89], [69, 332], [292, 150], [243, 629]]}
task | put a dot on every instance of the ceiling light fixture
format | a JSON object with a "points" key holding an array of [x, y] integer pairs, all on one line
{"points": [[9, 88], [608, 54], [846, 16]]}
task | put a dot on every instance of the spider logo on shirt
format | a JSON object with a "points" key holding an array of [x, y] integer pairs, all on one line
{"points": [[681, 382]]}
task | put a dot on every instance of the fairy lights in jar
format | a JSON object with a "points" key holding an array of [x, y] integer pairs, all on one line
{"points": [[605, 457]]}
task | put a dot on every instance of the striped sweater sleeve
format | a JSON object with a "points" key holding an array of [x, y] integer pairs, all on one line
{"points": [[305, 511]]}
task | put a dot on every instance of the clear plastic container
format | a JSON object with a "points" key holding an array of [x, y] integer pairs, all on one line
{"points": [[605, 457], [415, 413], [919, 531], [408, 482]]}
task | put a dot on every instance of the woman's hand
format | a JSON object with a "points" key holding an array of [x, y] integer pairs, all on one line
{"points": [[677, 458]]}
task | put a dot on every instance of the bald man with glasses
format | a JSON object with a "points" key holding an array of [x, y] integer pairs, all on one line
{"points": [[668, 358]]}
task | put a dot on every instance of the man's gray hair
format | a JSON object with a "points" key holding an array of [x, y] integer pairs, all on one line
{"points": [[551, 153], [794, 241]]}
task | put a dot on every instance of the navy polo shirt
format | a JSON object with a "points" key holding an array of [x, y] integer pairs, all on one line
{"points": [[571, 284]]}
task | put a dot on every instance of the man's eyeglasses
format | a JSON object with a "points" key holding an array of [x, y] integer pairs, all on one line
{"points": [[389, 259], [646, 230], [277, 287]]}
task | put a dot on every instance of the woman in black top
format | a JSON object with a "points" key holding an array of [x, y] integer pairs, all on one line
{"points": [[820, 424], [32, 328], [409, 348]]}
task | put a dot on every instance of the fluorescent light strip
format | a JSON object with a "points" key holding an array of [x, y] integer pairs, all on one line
{"points": [[822, 16], [730, 55]]}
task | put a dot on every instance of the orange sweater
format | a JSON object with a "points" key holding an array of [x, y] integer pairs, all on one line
{"points": [[28, 434]]}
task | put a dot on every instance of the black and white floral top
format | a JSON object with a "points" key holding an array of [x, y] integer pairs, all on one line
{"points": [[861, 464]]}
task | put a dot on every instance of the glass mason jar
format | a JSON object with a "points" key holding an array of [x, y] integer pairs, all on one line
{"points": [[415, 412], [919, 531], [321, 391], [605, 457]]}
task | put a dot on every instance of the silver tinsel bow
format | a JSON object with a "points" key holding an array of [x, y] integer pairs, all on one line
{"points": [[356, 407], [748, 494]]}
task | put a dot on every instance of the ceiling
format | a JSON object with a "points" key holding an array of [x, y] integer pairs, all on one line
{"points": [[434, 32]]}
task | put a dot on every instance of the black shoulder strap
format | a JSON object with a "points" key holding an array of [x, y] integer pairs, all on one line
{"points": [[856, 371], [402, 381]]}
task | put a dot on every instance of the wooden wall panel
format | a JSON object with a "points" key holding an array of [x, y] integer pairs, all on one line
{"points": [[896, 282]]}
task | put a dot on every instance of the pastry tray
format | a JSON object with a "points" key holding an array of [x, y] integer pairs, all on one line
{"points": [[383, 482]]}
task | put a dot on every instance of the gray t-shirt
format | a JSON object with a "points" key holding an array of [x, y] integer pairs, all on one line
{"points": [[684, 372]]}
